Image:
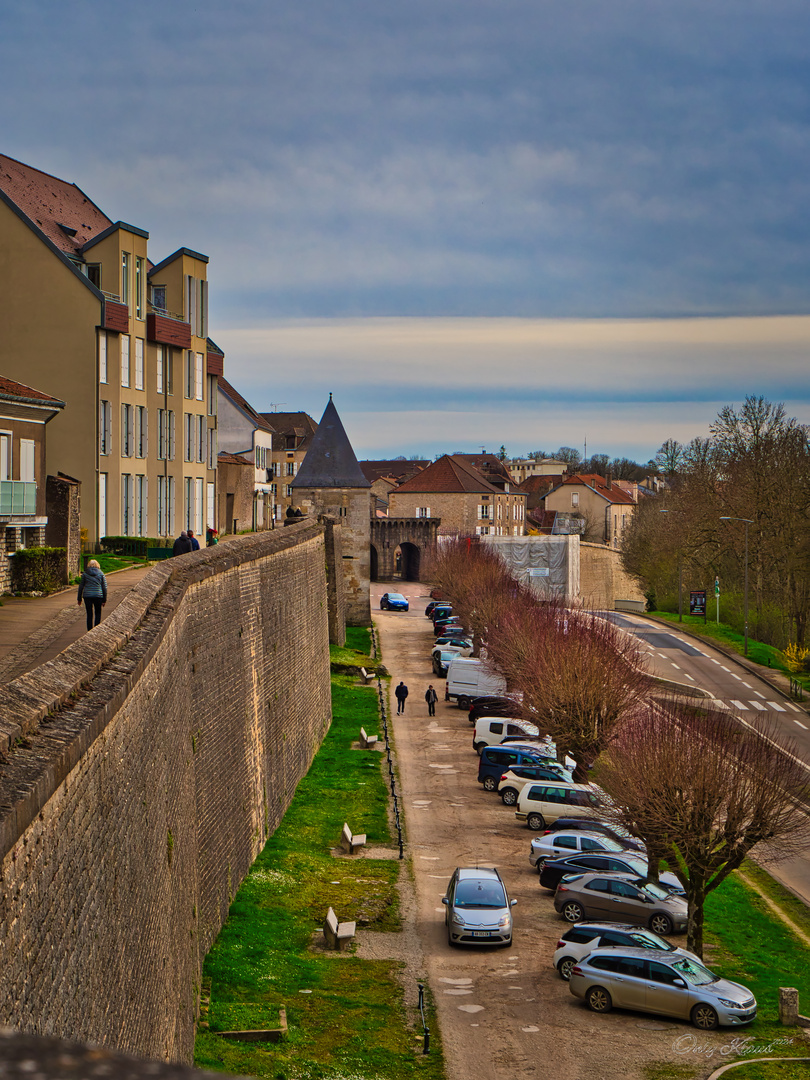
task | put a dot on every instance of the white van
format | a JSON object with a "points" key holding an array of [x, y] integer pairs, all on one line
{"points": [[492, 730], [467, 678]]}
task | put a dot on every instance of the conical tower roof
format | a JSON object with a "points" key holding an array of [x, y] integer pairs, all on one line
{"points": [[330, 460]]}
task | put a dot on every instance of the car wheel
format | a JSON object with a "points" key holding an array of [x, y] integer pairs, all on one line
{"points": [[463, 702], [660, 923], [536, 822], [489, 783], [704, 1017], [508, 944], [509, 796], [599, 1000], [565, 967], [478, 747], [573, 912]]}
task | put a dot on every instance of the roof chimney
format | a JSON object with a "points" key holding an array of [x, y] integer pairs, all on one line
{"points": [[609, 479]]}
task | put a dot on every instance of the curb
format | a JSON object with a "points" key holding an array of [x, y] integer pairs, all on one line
{"points": [[748, 1061]]}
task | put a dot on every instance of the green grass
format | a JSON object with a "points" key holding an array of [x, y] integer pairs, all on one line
{"points": [[356, 651], [351, 1023], [114, 562], [766, 655], [773, 1070], [358, 638]]}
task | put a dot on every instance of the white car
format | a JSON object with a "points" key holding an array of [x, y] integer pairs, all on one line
{"points": [[542, 802], [556, 845], [587, 936], [457, 650]]}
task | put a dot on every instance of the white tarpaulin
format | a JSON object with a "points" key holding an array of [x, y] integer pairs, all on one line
{"points": [[549, 565]]}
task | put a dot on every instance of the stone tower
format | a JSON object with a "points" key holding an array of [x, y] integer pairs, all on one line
{"points": [[331, 482]]}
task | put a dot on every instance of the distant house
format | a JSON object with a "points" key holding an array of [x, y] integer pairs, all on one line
{"points": [[605, 506], [244, 432], [292, 437], [385, 476], [236, 493], [491, 468], [522, 468], [467, 503], [24, 412]]}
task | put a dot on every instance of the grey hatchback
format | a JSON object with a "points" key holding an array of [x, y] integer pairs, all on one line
{"points": [[478, 910], [620, 899], [659, 982]]}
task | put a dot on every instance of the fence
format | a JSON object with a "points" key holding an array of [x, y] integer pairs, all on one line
{"points": [[392, 780]]}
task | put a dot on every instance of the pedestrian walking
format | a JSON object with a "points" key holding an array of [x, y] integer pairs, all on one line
{"points": [[93, 590], [211, 536], [195, 543], [182, 544], [400, 694], [431, 697]]}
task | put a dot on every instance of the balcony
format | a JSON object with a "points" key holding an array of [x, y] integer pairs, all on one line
{"points": [[166, 328], [115, 315], [18, 498]]}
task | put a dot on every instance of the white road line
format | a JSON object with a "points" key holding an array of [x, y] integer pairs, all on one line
{"points": [[737, 677], [801, 725], [676, 667], [739, 705], [723, 666], [747, 684], [776, 706], [715, 661], [663, 657], [686, 673], [757, 706], [790, 705], [759, 695]]}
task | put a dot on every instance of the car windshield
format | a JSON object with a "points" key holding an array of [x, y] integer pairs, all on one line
{"points": [[480, 894], [694, 973], [646, 940], [610, 844], [654, 890]]}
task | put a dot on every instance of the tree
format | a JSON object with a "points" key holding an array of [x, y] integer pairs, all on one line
{"points": [[567, 454], [669, 458], [703, 790]]}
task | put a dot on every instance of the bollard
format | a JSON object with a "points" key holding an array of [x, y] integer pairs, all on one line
{"points": [[788, 1006], [426, 1048]]}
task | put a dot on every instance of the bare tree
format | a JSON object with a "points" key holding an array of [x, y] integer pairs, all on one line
{"points": [[669, 458], [703, 791]]}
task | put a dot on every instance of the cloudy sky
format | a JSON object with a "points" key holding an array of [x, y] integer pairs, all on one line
{"points": [[528, 222]]}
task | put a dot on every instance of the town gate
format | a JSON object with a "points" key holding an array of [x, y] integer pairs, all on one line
{"points": [[401, 548]]}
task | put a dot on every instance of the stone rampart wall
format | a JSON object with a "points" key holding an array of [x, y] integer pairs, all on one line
{"points": [[603, 579], [142, 771]]}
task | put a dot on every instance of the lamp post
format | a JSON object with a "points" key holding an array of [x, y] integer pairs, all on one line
{"points": [[680, 570], [747, 522]]}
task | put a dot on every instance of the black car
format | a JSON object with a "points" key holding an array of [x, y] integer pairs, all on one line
{"points": [[493, 705], [584, 824], [552, 871], [430, 607]]}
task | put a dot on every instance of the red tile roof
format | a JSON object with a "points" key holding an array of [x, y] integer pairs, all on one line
{"points": [[597, 483], [448, 475], [224, 458], [11, 389], [50, 203]]}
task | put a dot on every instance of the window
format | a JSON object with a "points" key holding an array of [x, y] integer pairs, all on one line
{"points": [[140, 514], [290, 468], [27, 450], [170, 427], [125, 278], [209, 512], [139, 284], [5, 457], [169, 372], [139, 384], [127, 491], [483, 512], [191, 304], [274, 489], [212, 395], [159, 369], [102, 357], [566, 842], [482, 530], [500, 511], [189, 380], [159, 297], [102, 504], [165, 505], [423, 511], [212, 449], [94, 277], [288, 490], [141, 433], [188, 510], [199, 505], [188, 438], [105, 429], [660, 973], [162, 435], [198, 376], [202, 309], [622, 888], [575, 498], [124, 360], [202, 441], [127, 431]]}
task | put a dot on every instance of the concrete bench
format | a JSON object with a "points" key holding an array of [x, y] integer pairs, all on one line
{"points": [[350, 843], [368, 742], [337, 934], [367, 675]]}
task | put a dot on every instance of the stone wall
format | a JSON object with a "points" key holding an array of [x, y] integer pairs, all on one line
{"points": [[142, 771], [603, 579], [351, 507], [63, 501]]}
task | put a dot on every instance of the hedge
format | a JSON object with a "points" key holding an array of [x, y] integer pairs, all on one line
{"points": [[39, 569]]}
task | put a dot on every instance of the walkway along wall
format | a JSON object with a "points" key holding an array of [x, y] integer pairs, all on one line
{"points": [[142, 771]]}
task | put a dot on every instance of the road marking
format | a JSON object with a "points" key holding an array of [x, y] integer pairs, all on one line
{"points": [[790, 705], [759, 695], [747, 684], [801, 725], [723, 666], [686, 673], [676, 667], [737, 677], [740, 705], [776, 706], [757, 706], [663, 657], [715, 661]]}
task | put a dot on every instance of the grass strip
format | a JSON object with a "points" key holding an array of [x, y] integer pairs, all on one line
{"points": [[346, 1015]]}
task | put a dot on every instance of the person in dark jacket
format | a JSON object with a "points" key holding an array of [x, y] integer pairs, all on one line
{"points": [[195, 543], [400, 694], [182, 544], [93, 590], [431, 697]]}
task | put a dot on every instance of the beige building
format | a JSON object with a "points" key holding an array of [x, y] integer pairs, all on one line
{"points": [[523, 468], [604, 506], [292, 437], [467, 503], [124, 343]]}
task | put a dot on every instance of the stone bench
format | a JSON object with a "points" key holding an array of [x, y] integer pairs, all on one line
{"points": [[368, 742], [350, 843], [367, 675], [337, 934]]}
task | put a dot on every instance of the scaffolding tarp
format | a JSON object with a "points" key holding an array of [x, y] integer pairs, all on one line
{"points": [[549, 565]]}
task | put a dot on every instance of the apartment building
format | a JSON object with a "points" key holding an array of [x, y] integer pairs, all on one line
{"points": [[124, 343], [292, 437], [244, 433]]}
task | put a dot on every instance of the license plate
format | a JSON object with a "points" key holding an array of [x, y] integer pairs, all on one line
{"points": [[482, 933]]}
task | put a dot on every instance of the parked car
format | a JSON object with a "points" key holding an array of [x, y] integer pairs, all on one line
{"points": [[489, 731], [462, 648], [437, 608], [596, 825], [559, 845], [658, 982], [393, 601], [479, 912], [626, 899], [431, 607], [512, 781], [493, 705], [540, 803], [468, 678], [447, 625], [453, 639], [583, 938], [552, 870], [441, 660], [495, 759]]}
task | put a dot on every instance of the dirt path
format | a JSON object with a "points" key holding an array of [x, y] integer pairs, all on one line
{"points": [[504, 1013]]}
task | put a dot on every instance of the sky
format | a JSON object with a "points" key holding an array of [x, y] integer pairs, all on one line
{"points": [[523, 222]]}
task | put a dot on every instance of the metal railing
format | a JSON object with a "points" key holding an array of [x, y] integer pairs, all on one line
{"points": [[425, 1028], [392, 780], [17, 497], [796, 690]]}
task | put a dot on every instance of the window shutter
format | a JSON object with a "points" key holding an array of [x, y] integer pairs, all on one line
{"points": [[171, 438], [145, 444], [124, 431]]}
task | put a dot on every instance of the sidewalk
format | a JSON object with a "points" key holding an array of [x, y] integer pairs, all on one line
{"points": [[34, 629]]}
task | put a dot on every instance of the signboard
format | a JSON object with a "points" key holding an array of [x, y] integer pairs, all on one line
{"points": [[697, 602], [717, 586]]}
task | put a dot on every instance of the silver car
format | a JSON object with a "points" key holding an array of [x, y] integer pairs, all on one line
{"points": [[478, 910], [621, 899], [658, 982], [583, 938]]}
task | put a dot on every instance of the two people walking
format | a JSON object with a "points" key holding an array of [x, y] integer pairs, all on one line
{"points": [[93, 590], [431, 697]]}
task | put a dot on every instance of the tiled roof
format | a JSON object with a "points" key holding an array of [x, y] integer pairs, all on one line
{"points": [[230, 392], [11, 389], [224, 458], [597, 483], [532, 484], [449, 474], [396, 468], [330, 461], [51, 203], [486, 464]]}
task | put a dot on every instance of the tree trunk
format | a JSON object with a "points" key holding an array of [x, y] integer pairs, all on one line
{"points": [[696, 898]]}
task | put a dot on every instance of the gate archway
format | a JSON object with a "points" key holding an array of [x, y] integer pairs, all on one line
{"points": [[414, 537]]}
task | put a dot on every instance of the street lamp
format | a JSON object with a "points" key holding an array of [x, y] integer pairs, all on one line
{"points": [[680, 569], [747, 522]]}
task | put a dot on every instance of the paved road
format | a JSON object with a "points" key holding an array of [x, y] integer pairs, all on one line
{"points": [[504, 1014]]}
